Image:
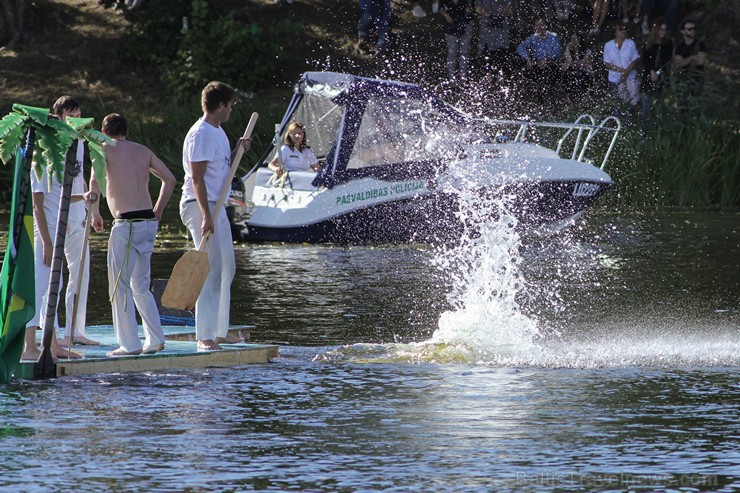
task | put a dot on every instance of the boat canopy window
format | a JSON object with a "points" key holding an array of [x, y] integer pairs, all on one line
{"points": [[397, 130], [321, 117]]}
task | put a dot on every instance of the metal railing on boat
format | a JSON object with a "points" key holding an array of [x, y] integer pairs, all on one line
{"points": [[585, 127]]}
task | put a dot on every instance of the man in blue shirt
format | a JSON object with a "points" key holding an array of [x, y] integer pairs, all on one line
{"points": [[541, 52], [541, 48]]}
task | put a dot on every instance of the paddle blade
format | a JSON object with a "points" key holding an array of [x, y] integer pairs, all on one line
{"points": [[186, 281]]}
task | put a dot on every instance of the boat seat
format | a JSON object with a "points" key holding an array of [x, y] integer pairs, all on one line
{"points": [[297, 180]]}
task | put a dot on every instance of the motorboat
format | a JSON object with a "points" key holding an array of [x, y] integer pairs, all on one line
{"points": [[394, 156]]}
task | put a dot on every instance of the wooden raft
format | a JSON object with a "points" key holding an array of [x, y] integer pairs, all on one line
{"points": [[180, 353]]}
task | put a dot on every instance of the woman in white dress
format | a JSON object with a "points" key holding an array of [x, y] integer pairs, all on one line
{"points": [[295, 155]]}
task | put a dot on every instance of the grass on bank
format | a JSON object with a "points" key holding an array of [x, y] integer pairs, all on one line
{"points": [[689, 158]]}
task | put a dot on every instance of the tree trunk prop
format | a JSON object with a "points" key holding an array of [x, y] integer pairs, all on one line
{"points": [[45, 366]]}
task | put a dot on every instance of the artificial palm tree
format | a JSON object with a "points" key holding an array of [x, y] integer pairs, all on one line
{"points": [[52, 145]]}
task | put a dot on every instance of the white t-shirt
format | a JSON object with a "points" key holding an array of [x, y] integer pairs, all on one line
{"points": [[620, 58], [204, 142], [53, 194], [295, 160]]}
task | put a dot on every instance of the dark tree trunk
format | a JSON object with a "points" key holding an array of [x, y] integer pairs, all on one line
{"points": [[13, 22]]}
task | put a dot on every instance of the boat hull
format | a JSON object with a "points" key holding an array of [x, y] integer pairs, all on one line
{"points": [[431, 217]]}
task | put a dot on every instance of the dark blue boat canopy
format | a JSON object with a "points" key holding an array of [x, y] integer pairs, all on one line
{"points": [[371, 127]]}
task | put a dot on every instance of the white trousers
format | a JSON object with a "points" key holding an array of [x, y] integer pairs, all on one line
{"points": [[130, 248], [72, 252], [213, 304]]}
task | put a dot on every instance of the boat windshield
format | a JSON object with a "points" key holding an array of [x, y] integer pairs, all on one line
{"points": [[395, 130], [321, 117]]}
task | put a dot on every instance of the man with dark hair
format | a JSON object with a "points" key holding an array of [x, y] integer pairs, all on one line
{"points": [[206, 159], [47, 190], [132, 236], [541, 52], [690, 56]]}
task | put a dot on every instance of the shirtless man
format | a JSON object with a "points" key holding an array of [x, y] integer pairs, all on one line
{"points": [[131, 241]]}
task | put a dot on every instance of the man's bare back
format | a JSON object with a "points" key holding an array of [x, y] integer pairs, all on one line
{"points": [[127, 172], [128, 166]]}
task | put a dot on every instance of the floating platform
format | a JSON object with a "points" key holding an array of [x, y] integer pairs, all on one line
{"points": [[180, 352]]}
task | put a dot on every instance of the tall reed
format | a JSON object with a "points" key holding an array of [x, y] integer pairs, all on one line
{"points": [[690, 157]]}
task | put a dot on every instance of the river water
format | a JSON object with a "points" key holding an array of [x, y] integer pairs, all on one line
{"points": [[603, 359]]}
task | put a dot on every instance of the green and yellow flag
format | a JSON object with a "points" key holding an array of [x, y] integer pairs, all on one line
{"points": [[17, 291]]}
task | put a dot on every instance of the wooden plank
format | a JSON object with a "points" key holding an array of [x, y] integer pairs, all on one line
{"points": [[237, 355], [188, 334], [244, 355], [180, 353]]}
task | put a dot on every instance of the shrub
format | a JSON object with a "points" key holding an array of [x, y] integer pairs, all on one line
{"points": [[189, 43]]}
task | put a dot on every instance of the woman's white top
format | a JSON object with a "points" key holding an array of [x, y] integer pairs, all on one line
{"points": [[295, 160]]}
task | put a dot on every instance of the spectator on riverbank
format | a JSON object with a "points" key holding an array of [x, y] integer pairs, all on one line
{"points": [[457, 25], [374, 25], [601, 9], [656, 64], [653, 9], [620, 59], [690, 57], [541, 53], [577, 67], [493, 34]]}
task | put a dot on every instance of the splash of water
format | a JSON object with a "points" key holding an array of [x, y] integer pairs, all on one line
{"points": [[484, 282]]}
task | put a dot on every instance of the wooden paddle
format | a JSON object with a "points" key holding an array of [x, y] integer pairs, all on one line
{"points": [[190, 272]]}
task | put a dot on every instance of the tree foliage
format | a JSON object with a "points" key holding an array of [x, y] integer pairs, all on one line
{"points": [[191, 42]]}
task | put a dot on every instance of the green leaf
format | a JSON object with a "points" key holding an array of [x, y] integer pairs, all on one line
{"points": [[80, 123], [97, 156], [38, 115], [11, 135]]}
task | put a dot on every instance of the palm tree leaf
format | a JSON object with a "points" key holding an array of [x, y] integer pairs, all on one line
{"points": [[94, 139], [97, 156], [51, 150], [11, 135], [37, 115]]}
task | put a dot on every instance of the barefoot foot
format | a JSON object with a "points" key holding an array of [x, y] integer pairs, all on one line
{"points": [[208, 345], [154, 348], [229, 339], [64, 354], [31, 353], [122, 352]]}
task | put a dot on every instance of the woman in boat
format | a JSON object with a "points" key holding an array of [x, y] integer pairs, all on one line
{"points": [[295, 154]]}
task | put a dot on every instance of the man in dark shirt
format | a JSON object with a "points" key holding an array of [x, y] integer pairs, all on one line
{"points": [[690, 56]]}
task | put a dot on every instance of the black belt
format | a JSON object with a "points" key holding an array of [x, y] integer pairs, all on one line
{"points": [[142, 214]]}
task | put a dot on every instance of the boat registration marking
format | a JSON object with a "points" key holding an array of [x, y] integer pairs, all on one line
{"points": [[586, 189]]}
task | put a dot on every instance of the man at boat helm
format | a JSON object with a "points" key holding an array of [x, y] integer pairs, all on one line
{"points": [[132, 236], [206, 159]]}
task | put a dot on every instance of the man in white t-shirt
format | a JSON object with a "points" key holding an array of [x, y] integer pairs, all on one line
{"points": [[46, 198], [206, 159], [620, 59]]}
